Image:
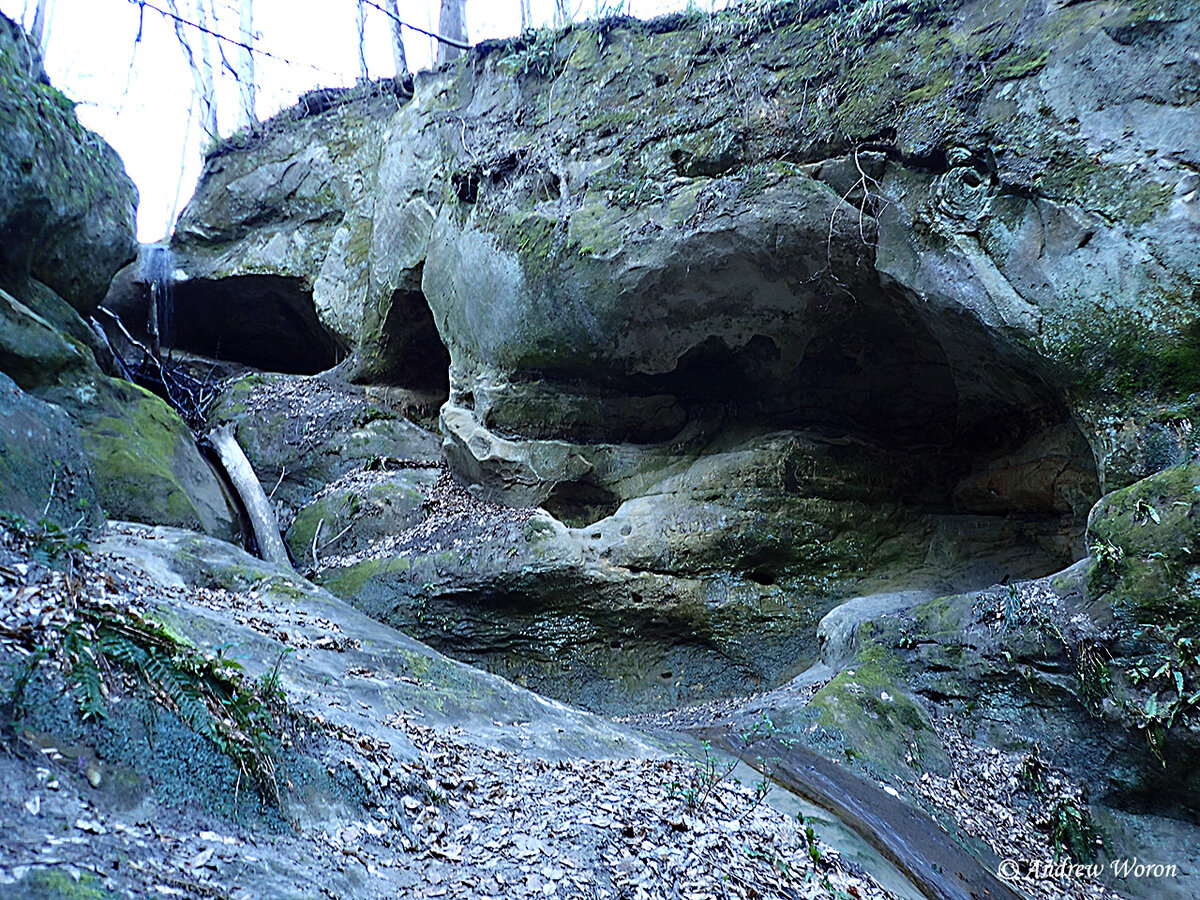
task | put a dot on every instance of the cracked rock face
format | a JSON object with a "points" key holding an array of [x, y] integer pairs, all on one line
{"points": [[735, 305]]}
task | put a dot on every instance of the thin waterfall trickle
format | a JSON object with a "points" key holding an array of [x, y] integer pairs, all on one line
{"points": [[158, 272]]}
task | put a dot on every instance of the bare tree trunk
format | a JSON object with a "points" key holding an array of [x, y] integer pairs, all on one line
{"points": [[363, 75], [208, 98], [398, 40], [262, 518], [525, 16], [40, 21], [200, 64], [452, 23], [247, 84], [562, 12], [187, 150]]}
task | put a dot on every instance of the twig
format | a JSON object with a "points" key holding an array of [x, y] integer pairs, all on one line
{"points": [[228, 40], [437, 37], [102, 336], [50, 499], [337, 536], [316, 536], [129, 337], [147, 353], [282, 475]]}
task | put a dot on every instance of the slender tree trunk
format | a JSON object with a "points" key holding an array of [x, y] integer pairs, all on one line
{"points": [[38, 31], [363, 75], [199, 63], [562, 12], [452, 23], [247, 84], [208, 70], [525, 16], [398, 40], [187, 151]]}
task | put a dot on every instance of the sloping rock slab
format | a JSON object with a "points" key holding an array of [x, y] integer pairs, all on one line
{"points": [[328, 638]]}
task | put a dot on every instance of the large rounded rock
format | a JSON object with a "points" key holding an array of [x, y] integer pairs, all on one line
{"points": [[143, 457], [66, 205]]}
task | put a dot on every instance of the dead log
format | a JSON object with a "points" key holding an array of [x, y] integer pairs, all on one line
{"points": [[258, 508]]}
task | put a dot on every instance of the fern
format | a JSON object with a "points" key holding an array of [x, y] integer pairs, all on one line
{"points": [[211, 696], [83, 676], [188, 683]]}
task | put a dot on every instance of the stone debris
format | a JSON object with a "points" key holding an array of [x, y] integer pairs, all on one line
{"points": [[986, 795], [455, 518], [461, 819]]}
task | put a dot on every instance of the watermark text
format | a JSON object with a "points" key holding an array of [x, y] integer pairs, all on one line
{"points": [[1041, 870]]}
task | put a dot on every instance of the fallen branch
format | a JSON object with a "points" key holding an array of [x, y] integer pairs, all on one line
{"points": [[250, 492]]}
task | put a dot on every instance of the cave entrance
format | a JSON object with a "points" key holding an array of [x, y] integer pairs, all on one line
{"points": [[263, 321], [968, 423], [401, 347]]}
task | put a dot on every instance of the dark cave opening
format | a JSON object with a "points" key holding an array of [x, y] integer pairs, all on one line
{"points": [[965, 423], [580, 503], [402, 347], [263, 321]]}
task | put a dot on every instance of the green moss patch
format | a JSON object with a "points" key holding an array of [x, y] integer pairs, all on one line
{"points": [[881, 726], [57, 884], [135, 456]]}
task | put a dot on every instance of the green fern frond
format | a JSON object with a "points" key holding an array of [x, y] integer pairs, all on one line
{"points": [[85, 687]]}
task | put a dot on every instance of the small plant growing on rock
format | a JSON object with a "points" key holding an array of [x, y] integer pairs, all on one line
{"points": [[1107, 570], [1175, 678], [1072, 832], [707, 774], [1093, 676], [537, 54], [1033, 772]]}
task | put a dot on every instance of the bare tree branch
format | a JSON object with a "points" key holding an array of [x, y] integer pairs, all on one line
{"points": [[461, 45], [180, 20]]}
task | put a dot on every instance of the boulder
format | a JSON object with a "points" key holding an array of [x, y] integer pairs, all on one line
{"points": [[44, 473], [143, 458], [66, 205]]}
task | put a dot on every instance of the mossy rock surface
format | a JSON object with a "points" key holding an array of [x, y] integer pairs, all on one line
{"points": [[44, 472], [57, 884], [304, 433], [66, 205], [358, 509], [870, 713], [1157, 518], [145, 460]]}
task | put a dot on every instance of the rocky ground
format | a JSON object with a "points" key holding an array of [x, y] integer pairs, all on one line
{"points": [[988, 793], [440, 811]]}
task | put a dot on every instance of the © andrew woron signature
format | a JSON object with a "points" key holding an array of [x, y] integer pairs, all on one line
{"points": [[1037, 870]]}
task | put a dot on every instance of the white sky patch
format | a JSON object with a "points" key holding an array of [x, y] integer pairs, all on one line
{"points": [[138, 94]]}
